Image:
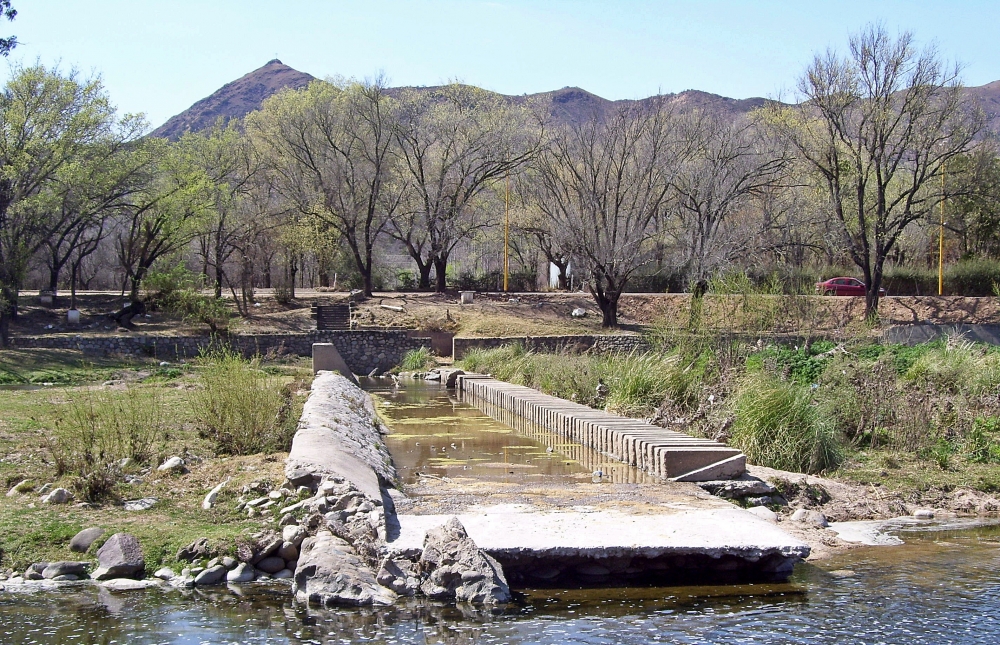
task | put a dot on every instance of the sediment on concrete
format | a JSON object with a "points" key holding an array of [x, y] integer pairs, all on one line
{"points": [[339, 436], [663, 453]]}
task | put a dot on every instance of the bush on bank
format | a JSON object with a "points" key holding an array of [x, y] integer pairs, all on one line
{"points": [[241, 408], [810, 408]]}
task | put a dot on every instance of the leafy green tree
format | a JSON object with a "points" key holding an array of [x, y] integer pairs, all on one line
{"points": [[87, 192], [47, 120], [161, 218]]}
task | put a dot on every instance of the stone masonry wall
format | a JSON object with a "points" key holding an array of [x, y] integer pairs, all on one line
{"points": [[598, 343], [363, 350]]}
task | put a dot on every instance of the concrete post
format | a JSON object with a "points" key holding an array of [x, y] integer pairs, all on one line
{"points": [[326, 357]]}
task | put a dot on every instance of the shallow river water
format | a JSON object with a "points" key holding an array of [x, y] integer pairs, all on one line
{"points": [[941, 586]]}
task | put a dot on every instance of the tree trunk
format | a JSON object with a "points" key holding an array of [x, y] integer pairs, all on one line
{"points": [[8, 300], [74, 270], [366, 282], [609, 310], [440, 273], [424, 281]]}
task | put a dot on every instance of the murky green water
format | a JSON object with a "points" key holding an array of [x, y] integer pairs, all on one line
{"points": [[433, 433], [941, 587]]}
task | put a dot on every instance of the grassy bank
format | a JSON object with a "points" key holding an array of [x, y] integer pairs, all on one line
{"points": [[908, 418], [76, 434]]}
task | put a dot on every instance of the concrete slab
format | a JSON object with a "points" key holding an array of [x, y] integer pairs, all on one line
{"points": [[604, 533], [590, 546]]}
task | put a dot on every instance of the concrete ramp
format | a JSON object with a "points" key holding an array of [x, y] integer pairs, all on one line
{"points": [[588, 546], [652, 449]]}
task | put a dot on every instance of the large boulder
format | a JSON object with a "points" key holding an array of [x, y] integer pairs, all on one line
{"points": [[64, 568], [81, 541], [456, 569], [119, 557], [330, 573]]}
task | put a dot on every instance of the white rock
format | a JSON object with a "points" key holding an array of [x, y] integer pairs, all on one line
{"points": [[764, 513], [293, 534], [58, 496], [923, 514], [165, 573], [174, 464], [212, 496], [243, 572], [579, 312], [127, 584], [284, 574], [807, 516], [20, 487], [143, 504]]}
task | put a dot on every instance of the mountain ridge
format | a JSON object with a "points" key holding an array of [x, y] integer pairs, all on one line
{"points": [[569, 105]]}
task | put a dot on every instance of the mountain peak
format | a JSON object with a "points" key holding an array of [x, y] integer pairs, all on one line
{"points": [[234, 100]]}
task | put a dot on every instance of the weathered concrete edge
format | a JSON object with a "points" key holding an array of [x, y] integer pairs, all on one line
{"points": [[339, 435]]}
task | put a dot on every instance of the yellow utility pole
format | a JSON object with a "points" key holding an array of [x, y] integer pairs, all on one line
{"points": [[941, 243], [506, 232]]}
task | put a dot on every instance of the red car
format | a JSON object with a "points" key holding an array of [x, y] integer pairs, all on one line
{"points": [[843, 287]]}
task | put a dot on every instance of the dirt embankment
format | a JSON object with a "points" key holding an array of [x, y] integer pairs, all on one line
{"points": [[844, 502], [527, 314]]}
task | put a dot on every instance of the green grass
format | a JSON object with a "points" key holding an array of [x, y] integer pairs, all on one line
{"points": [[62, 367], [637, 383], [779, 425], [417, 360], [31, 420]]}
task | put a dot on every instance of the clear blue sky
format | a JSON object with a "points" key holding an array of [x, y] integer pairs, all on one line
{"points": [[159, 57]]}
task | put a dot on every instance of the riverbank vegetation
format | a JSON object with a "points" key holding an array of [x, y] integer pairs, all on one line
{"points": [[103, 436], [903, 417]]}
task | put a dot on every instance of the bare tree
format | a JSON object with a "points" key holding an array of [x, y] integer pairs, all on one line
{"points": [[331, 148], [877, 128], [604, 182], [454, 142], [726, 164]]}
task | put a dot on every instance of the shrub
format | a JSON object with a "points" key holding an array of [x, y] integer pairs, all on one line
{"points": [[100, 430], [240, 407], [778, 425], [178, 291], [981, 443], [416, 360]]}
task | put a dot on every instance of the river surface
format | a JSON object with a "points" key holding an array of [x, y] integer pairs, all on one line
{"points": [[941, 586]]}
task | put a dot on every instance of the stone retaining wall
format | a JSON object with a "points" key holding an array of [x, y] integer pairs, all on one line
{"points": [[364, 350], [598, 343]]}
